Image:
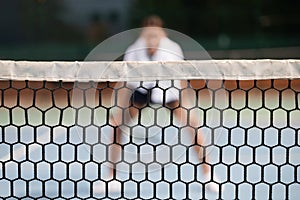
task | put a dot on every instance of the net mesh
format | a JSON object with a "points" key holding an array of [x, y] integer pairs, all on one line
{"points": [[57, 140]]}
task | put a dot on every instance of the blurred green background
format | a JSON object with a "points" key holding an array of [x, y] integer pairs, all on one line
{"points": [[70, 29]]}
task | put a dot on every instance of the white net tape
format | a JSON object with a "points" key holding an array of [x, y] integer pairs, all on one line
{"points": [[150, 70]]}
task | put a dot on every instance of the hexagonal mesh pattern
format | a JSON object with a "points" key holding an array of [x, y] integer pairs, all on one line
{"points": [[55, 144]]}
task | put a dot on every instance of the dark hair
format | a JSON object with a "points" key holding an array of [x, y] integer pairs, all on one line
{"points": [[153, 20]]}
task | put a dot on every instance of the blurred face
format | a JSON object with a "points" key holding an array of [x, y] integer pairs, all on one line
{"points": [[152, 35]]}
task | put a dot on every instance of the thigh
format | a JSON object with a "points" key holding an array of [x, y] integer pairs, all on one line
{"points": [[173, 104]]}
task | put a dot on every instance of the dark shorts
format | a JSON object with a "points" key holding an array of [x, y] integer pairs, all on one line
{"points": [[141, 99], [144, 99]]}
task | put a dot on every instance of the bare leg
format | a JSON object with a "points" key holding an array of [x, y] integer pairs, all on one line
{"points": [[116, 149], [181, 114]]}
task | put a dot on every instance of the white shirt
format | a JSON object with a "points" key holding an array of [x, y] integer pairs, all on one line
{"points": [[168, 50]]}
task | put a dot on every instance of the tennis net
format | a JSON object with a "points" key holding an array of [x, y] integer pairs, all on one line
{"points": [[59, 123]]}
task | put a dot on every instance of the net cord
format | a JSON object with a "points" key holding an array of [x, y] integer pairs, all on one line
{"points": [[150, 70]]}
